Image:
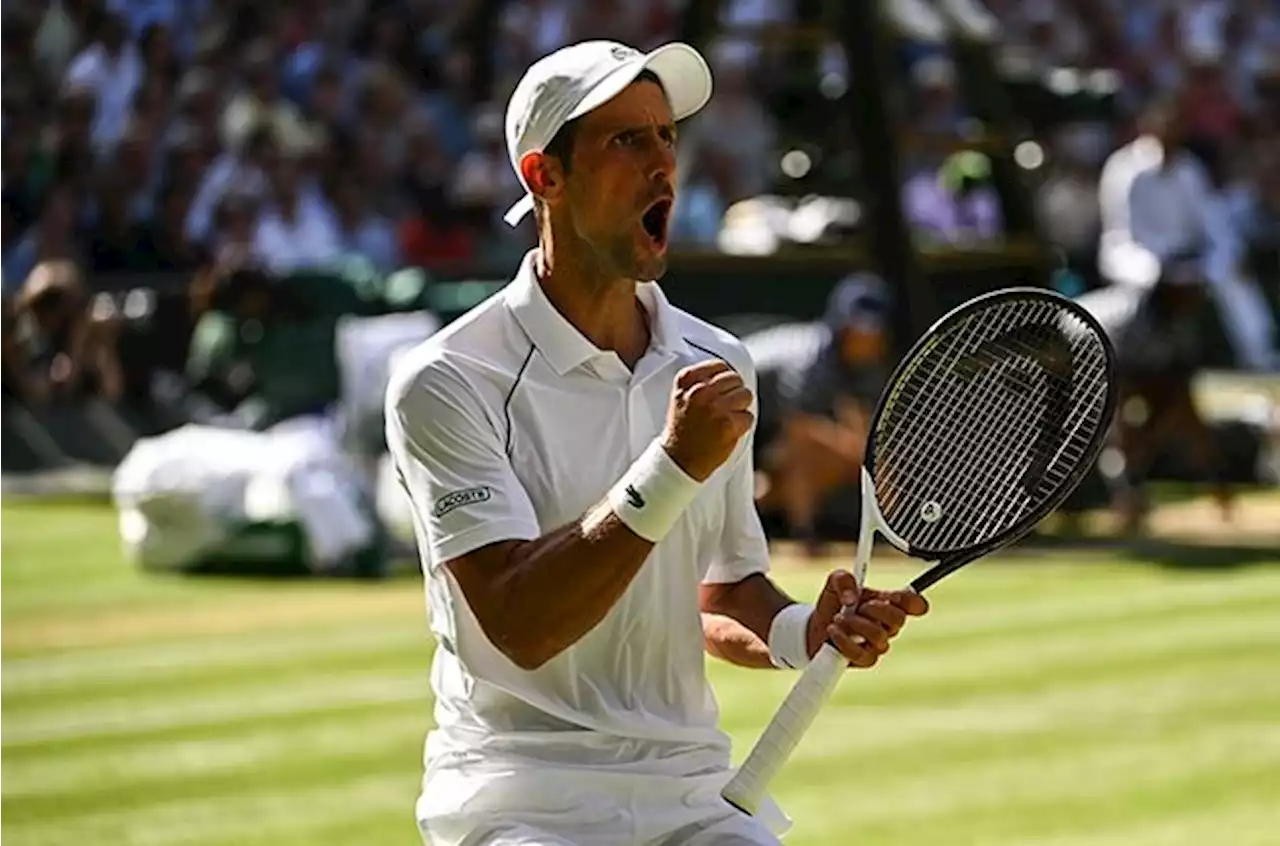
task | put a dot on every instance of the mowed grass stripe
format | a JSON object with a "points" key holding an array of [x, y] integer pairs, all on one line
{"points": [[86, 667], [1019, 663], [196, 681], [1085, 817], [1242, 819], [133, 719], [234, 747], [1065, 708], [1003, 719], [281, 720], [282, 814], [256, 607], [204, 665], [903, 787], [298, 757]]}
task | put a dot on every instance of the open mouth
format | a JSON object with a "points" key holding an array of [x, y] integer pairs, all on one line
{"points": [[655, 221]]}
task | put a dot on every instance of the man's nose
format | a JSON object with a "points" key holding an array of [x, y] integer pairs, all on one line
{"points": [[663, 165]]}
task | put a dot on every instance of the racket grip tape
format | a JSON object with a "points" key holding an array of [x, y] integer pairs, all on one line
{"points": [[749, 785]]}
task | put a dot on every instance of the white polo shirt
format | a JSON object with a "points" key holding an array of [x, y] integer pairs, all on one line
{"points": [[509, 424]]}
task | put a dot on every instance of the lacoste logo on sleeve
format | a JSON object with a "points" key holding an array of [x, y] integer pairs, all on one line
{"points": [[633, 497], [460, 499]]}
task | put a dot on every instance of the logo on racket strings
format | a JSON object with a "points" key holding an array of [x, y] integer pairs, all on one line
{"points": [[931, 512]]}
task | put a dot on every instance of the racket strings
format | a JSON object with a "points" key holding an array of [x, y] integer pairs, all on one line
{"points": [[1014, 396], [1007, 416], [1043, 456], [969, 462], [993, 416], [950, 398]]}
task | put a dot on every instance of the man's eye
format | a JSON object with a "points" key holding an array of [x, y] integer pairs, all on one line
{"points": [[626, 139]]}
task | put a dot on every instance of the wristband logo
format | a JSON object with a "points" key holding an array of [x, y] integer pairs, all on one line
{"points": [[459, 499], [633, 497]]}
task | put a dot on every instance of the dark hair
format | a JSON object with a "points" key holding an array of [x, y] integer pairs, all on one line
{"points": [[561, 146]]}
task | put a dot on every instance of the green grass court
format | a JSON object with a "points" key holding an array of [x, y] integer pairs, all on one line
{"points": [[1056, 700]]}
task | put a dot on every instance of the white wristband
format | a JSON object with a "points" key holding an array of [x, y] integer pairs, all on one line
{"points": [[789, 637], [653, 493]]}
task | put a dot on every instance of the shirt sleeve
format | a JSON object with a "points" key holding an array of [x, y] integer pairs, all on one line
{"points": [[744, 550], [452, 463]]}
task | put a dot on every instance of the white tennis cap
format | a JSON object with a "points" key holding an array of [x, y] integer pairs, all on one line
{"points": [[576, 79]]}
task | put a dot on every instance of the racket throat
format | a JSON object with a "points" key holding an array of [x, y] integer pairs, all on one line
{"points": [[870, 523]]}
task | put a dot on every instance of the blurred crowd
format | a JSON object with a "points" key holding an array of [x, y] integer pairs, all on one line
{"points": [[150, 135], [1213, 66]]}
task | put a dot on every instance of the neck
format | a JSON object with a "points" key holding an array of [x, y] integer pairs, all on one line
{"points": [[600, 304]]}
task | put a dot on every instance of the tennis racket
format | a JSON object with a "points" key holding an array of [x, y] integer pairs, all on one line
{"points": [[988, 423]]}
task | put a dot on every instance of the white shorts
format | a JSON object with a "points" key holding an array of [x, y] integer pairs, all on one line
{"points": [[565, 807]]}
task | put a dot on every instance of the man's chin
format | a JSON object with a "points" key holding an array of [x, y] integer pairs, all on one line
{"points": [[650, 264], [651, 267]]}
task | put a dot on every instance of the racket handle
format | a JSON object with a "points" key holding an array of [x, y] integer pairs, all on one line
{"points": [[749, 785]]}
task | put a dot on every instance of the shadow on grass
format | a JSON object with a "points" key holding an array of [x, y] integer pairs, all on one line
{"points": [[1174, 554]]}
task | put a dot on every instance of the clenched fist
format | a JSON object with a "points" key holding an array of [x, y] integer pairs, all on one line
{"points": [[709, 413]]}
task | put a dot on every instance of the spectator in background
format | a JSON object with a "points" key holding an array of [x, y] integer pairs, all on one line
{"points": [[52, 237], [297, 228], [1067, 201], [66, 151], [259, 103], [16, 263], [1211, 117], [701, 205], [16, 379], [935, 106], [112, 69], [112, 248], [69, 347], [264, 350], [361, 230], [243, 167], [826, 379], [161, 241], [749, 147], [1159, 354], [235, 224], [484, 183], [1162, 212], [954, 203]]}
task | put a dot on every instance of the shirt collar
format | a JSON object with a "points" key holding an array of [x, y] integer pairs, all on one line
{"points": [[560, 342]]}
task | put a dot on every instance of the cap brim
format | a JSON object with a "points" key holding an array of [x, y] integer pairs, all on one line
{"points": [[685, 77], [684, 74]]}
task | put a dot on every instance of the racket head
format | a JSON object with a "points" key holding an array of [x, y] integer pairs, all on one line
{"points": [[1020, 376]]}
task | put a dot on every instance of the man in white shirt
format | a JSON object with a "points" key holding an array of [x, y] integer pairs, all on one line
{"points": [[297, 230], [1159, 208], [577, 452]]}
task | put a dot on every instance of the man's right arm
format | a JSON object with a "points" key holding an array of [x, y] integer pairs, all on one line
{"points": [[534, 594]]}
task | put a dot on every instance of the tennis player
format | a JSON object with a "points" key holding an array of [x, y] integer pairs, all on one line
{"points": [[578, 456]]}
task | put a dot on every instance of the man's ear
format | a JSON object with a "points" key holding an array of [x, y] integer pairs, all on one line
{"points": [[543, 174]]}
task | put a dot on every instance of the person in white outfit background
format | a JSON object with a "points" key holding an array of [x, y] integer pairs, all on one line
{"points": [[578, 454], [1159, 206]]}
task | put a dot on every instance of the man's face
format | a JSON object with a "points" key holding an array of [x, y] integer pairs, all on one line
{"points": [[863, 344], [620, 189]]}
